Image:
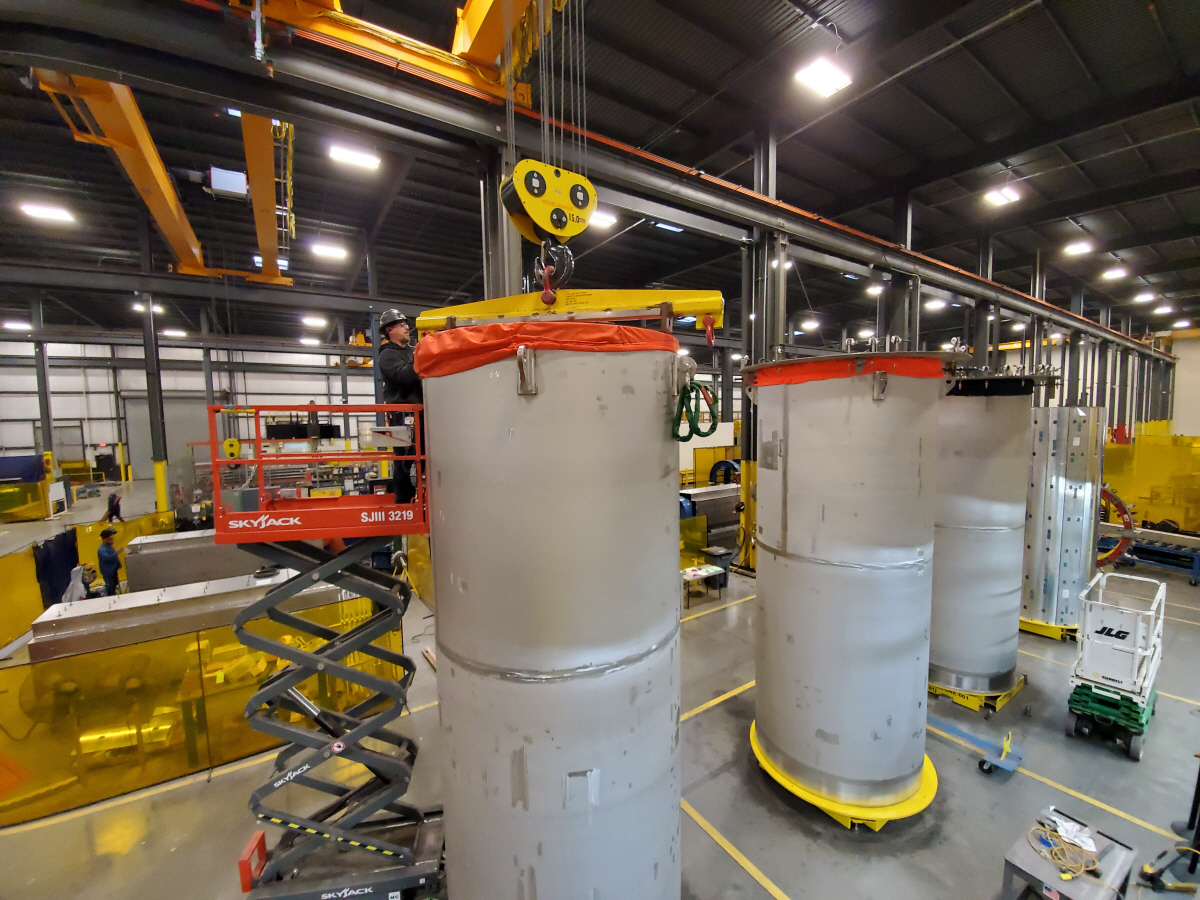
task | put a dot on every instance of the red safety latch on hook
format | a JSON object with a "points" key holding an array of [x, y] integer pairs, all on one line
{"points": [[709, 321], [547, 294]]}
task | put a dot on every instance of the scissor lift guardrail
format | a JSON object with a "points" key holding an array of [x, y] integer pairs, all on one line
{"points": [[395, 845]]}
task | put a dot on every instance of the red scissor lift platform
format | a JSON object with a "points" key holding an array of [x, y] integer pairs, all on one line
{"points": [[263, 499], [284, 509]]}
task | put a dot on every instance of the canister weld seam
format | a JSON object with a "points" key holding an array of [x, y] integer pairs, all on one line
{"points": [[907, 564], [1020, 527], [539, 677]]}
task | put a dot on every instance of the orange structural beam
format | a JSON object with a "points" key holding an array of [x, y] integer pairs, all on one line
{"points": [[260, 174], [107, 115], [323, 21], [110, 117], [479, 35]]}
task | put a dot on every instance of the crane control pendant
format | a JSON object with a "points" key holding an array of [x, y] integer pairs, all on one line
{"points": [[547, 201]]}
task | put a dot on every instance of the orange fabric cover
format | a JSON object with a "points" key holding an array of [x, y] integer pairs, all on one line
{"points": [[818, 369], [459, 349]]}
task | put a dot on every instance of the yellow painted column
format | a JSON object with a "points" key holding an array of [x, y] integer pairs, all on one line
{"points": [[161, 501]]}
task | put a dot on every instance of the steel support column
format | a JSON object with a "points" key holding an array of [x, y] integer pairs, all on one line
{"points": [[154, 404], [206, 361], [42, 368], [726, 384], [379, 418], [1071, 349], [502, 271], [341, 337], [996, 363], [1122, 416], [749, 431]]}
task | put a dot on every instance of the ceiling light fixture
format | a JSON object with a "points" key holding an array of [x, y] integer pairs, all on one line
{"points": [[1002, 196], [602, 220], [1018, 326], [810, 325], [751, 317], [735, 356], [360, 158], [1163, 310], [1144, 297], [315, 321], [866, 333], [280, 261], [310, 341], [1182, 323], [1078, 248], [935, 304], [46, 213], [947, 346], [141, 307], [17, 326], [875, 290], [236, 113], [666, 227], [682, 351], [823, 77], [1114, 273], [174, 333], [1057, 336], [992, 317], [329, 251], [775, 264]]}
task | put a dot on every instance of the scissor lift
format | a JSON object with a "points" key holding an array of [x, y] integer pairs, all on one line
{"points": [[268, 499]]}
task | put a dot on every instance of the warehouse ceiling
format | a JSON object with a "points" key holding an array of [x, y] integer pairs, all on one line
{"points": [[1085, 110]]}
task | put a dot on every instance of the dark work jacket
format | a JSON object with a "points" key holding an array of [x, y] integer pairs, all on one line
{"points": [[110, 563], [401, 383]]}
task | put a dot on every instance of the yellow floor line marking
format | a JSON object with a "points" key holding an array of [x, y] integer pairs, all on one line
{"points": [[1036, 777], [1185, 621], [1160, 693], [1099, 805], [715, 700], [1180, 699], [417, 709], [740, 858], [716, 609], [1046, 658], [1061, 787]]}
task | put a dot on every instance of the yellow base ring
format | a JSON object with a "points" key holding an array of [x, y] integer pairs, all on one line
{"points": [[874, 817], [976, 701]]}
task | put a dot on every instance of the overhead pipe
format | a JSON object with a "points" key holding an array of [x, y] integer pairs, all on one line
{"points": [[608, 160]]}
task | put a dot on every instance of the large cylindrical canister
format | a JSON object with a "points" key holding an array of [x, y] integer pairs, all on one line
{"points": [[847, 461], [984, 440], [555, 526]]}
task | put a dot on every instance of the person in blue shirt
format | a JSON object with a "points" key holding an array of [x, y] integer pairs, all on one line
{"points": [[110, 562]]}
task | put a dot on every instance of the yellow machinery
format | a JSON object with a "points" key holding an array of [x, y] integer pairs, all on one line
{"points": [[536, 198], [1158, 475]]}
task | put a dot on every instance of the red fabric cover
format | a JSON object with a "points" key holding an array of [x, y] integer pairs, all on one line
{"points": [[801, 371], [460, 349]]}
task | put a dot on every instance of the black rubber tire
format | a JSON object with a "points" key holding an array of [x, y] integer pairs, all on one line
{"points": [[1072, 725], [1134, 746], [986, 767]]}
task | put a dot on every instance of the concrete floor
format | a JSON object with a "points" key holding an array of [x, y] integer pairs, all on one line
{"points": [[137, 498], [182, 839]]}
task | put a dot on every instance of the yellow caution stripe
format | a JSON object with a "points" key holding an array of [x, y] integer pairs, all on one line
{"points": [[325, 834]]}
